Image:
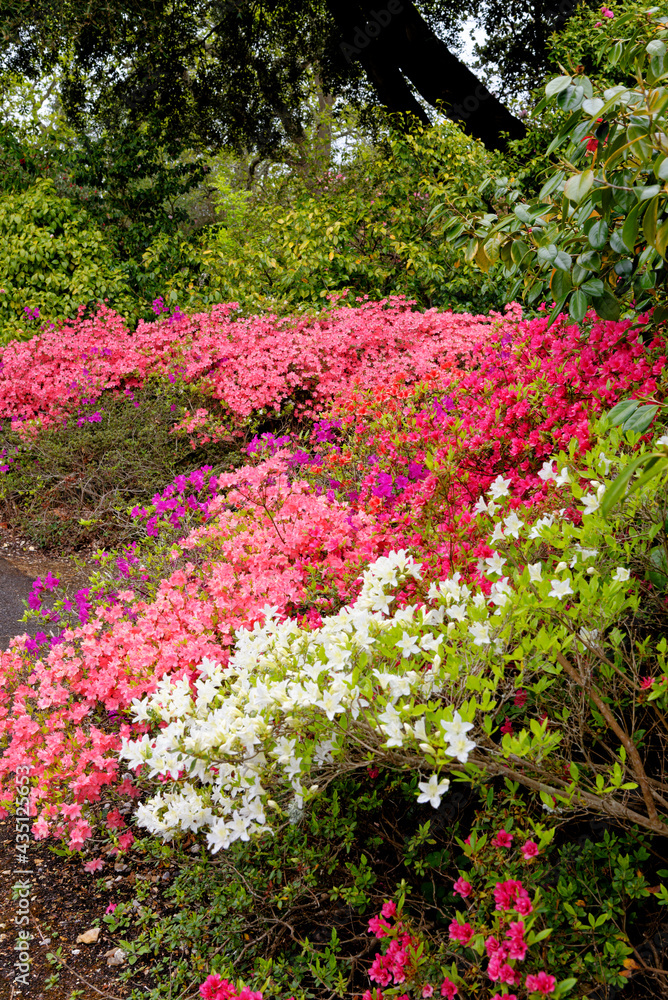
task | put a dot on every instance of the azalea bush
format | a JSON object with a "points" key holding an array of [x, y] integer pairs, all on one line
{"points": [[284, 532], [96, 419], [398, 579]]}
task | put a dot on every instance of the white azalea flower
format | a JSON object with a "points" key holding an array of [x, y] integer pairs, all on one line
{"points": [[457, 612], [460, 748], [480, 507], [621, 574], [497, 534], [456, 728], [513, 525], [560, 588], [499, 488], [547, 471], [432, 791], [495, 563], [408, 645], [535, 572], [537, 528], [591, 504], [480, 633]]}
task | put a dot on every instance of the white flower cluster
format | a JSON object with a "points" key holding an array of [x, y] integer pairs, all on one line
{"points": [[294, 705], [267, 723]]}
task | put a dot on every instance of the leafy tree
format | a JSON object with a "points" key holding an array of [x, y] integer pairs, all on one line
{"points": [[363, 229], [237, 72], [53, 259]]}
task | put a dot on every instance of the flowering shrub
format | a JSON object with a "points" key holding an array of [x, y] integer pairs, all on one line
{"points": [[591, 239], [416, 688], [269, 538], [247, 364]]}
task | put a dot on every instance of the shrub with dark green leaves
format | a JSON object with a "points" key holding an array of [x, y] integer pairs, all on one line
{"points": [[597, 235], [76, 483], [53, 260]]}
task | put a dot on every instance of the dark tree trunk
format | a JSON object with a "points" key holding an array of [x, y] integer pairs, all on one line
{"points": [[393, 43]]}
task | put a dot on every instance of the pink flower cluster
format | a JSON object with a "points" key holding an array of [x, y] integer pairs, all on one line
{"points": [[511, 895], [215, 988], [248, 364], [399, 964]]}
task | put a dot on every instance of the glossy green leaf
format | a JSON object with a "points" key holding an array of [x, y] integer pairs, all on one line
{"points": [[579, 186], [607, 306], [598, 234], [556, 85], [619, 413], [578, 305], [640, 420]]}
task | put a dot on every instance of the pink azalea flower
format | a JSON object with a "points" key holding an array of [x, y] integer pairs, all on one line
{"points": [[94, 866], [606, 12], [460, 932], [462, 887], [529, 850], [111, 908], [448, 989], [388, 909], [502, 839], [427, 991], [541, 983]]}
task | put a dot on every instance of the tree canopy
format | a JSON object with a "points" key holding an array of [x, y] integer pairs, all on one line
{"points": [[238, 73]]}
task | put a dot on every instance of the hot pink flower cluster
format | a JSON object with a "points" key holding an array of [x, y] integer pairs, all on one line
{"points": [[511, 895], [215, 988], [401, 961]]}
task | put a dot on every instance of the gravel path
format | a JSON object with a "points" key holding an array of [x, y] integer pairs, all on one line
{"points": [[15, 587]]}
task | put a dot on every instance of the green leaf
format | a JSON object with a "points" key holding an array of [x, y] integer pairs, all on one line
{"points": [[556, 85], [570, 98], [649, 220], [598, 234], [616, 490], [593, 287], [655, 48], [563, 261], [593, 106], [518, 250], [657, 571], [641, 419], [578, 305], [619, 413], [607, 307], [560, 285], [547, 254], [579, 186], [630, 227], [661, 242]]}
